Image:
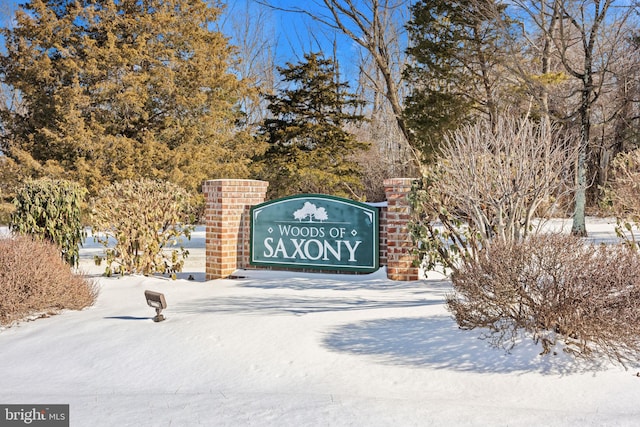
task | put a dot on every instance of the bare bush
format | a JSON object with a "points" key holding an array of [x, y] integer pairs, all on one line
{"points": [[374, 170], [35, 280], [499, 175], [491, 180], [558, 289], [622, 195]]}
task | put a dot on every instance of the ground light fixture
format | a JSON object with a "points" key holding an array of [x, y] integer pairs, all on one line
{"points": [[156, 300]]}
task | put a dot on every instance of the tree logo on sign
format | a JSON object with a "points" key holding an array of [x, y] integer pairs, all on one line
{"points": [[311, 211]]}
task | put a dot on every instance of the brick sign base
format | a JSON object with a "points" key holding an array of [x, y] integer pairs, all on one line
{"points": [[228, 204]]}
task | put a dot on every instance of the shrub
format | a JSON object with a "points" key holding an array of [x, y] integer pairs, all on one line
{"points": [[491, 179], [51, 210], [6, 210], [622, 195], [144, 217], [558, 289], [35, 280]]}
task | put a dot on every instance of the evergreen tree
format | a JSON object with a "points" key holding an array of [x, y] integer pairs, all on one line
{"points": [[455, 72], [120, 89], [309, 148]]}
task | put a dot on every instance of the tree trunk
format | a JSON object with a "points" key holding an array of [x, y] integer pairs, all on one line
{"points": [[579, 227]]}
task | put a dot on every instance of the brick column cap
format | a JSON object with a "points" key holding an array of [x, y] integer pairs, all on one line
{"points": [[236, 180], [391, 182]]}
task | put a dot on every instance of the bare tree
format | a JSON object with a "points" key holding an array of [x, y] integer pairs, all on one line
{"points": [[625, 124], [9, 98], [538, 24], [390, 138], [583, 37], [615, 113], [375, 26], [251, 33]]}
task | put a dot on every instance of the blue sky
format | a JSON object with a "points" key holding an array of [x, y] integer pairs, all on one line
{"points": [[294, 33], [7, 7], [297, 33]]}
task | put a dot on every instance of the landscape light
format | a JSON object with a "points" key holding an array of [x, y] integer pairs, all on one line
{"points": [[157, 301]]}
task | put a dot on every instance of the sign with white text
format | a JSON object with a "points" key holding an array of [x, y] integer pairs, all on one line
{"points": [[315, 231]]}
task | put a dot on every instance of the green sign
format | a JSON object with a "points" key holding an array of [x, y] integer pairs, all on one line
{"points": [[315, 231]]}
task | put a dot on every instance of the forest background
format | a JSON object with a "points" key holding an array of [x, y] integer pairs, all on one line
{"points": [[332, 97]]}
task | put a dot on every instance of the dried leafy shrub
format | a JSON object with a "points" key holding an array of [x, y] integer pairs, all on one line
{"points": [[622, 195], [556, 288], [147, 219], [51, 210], [6, 210], [35, 280]]}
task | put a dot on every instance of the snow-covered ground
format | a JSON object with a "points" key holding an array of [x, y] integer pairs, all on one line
{"points": [[294, 349]]}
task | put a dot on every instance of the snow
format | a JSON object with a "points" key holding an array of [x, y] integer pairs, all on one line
{"points": [[296, 349]]}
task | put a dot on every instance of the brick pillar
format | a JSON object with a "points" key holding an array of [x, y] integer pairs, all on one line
{"points": [[383, 235], [399, 244], [227, 203]]}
